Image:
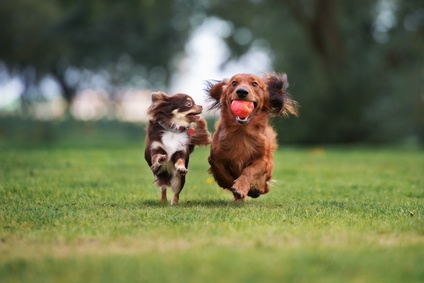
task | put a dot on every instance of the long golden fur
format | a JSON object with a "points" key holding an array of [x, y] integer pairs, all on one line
{"points": [[241, 155]]}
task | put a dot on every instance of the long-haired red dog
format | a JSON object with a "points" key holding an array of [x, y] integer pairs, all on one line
{"points": [[241, 156], [175, 127]]}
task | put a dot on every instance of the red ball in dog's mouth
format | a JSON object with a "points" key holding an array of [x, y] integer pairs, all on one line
{"points": [[242, 108]]}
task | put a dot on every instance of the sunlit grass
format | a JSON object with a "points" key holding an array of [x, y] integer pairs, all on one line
{"points": [[73, 214]]}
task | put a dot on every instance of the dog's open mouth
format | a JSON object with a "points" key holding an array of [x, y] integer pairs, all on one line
{"points": [[243, 120], [243, 110], [194, 116]]}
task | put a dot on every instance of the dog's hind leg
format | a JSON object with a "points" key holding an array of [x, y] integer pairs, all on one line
{"points": [[163, 197], [175, 198], [177, 185]]}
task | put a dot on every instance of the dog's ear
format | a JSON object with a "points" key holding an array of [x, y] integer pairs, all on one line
{"points": [[214, 90], [156, 96], [280, 102]]}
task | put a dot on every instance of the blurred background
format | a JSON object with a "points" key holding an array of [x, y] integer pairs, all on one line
{"points": [[71, 70]]}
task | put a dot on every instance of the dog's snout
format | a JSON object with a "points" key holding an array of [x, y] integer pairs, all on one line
{"points": [[242, 92]]}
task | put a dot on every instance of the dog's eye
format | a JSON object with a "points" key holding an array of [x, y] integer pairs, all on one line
{"points": [[188, 104], [234, 83], [255, 84]]}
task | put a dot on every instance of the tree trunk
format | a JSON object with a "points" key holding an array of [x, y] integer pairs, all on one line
{"points": [[323, 32], [68, 92]]}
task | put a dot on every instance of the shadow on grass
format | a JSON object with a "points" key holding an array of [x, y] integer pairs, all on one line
{"points": [[194, 203], [153, 203]]}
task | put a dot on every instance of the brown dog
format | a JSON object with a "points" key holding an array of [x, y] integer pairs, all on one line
{"points": [[241, 156], [174, 129]]}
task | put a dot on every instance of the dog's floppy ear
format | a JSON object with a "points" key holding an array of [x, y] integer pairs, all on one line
{"points": [[158, 96], [280, 102], [214, 90]]}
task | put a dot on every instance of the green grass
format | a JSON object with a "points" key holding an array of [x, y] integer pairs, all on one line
{"points": [[92, 214]]}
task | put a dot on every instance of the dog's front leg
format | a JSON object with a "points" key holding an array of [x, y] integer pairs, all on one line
{"points": [[220, 173], [252, 177], [157, 160], [180, 166]]}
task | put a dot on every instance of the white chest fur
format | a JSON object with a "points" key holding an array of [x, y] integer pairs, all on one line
{"points": [[173, 142]]}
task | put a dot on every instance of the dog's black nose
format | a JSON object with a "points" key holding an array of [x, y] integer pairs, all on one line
{"points": [[242, 92]]}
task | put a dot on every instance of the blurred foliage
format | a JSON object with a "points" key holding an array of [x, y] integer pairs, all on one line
{"points": [[356, 67], [17, 132], [123, 39]]}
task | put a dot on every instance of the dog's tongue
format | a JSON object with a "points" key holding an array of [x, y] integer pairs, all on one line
{"points": [[242, 108]]}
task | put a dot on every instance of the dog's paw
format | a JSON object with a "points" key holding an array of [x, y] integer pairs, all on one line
{"points": [[162, 158], [175, 199], [240, 188], [181, 170], [238, 195], [254, 193], [158, 161]]}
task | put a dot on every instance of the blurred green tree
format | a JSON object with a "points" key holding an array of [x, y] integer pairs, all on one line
{"points": [[118, 39], [356, 67]]}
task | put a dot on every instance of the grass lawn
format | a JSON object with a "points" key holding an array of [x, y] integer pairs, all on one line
{"points": [[91, 214]]}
